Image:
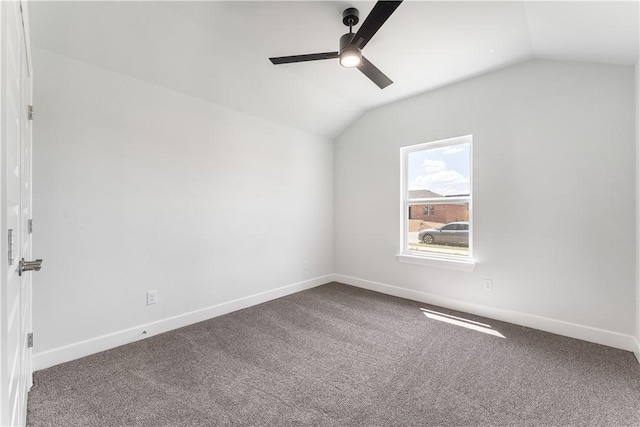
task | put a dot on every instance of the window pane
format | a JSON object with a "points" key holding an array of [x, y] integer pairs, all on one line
{"points": [[439, 172], [444, 232]]}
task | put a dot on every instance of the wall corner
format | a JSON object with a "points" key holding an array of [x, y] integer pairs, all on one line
{"points": [[637, 116], [637, 75]]}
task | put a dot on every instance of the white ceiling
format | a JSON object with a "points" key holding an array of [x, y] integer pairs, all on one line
{"points": [[218, 50]]}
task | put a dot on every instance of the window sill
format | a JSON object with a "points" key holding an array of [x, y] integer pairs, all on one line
{"points": [[452, 264]]}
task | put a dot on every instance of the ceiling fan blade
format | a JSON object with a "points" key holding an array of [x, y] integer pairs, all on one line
{"points": [[375, 75], [303, 58], [378, 16]]}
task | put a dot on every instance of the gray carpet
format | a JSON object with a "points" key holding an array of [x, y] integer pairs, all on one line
{"points": [[337, 355]]}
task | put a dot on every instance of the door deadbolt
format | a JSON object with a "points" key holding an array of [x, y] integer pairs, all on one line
{"points": [[29, 266]]}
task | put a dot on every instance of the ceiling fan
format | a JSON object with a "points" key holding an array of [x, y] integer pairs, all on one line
{"points": [[351, 45]]}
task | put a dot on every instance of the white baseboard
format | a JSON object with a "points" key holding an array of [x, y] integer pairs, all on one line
{"points": [[573, 330], [80, 349]]}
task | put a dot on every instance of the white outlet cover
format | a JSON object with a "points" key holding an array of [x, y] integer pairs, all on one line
{"points": [[152, 297]]}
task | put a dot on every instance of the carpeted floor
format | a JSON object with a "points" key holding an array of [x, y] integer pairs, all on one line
{"points": [[340, 356]]}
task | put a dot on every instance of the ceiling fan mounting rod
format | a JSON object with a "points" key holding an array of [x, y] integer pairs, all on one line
{"points": [[350, 17]]}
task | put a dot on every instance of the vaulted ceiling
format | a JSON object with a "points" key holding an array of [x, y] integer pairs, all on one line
{"points": [[219, 50]]}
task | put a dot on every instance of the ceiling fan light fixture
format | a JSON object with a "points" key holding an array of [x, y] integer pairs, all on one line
{"points": [[350, 57]]}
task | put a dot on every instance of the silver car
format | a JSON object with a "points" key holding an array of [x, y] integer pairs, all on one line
{"points": [[453, 233]]}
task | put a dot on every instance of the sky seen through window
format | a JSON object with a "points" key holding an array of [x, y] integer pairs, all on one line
{"points": [[443, 170]]}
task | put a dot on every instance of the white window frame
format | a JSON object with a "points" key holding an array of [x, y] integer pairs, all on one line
{"points": [[456, 262]]}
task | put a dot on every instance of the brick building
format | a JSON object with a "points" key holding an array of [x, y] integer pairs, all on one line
{"points": [[436, 213]]}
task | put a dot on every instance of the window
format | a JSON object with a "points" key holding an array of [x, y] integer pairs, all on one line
{"points": [[436, 200], [428, 210]]}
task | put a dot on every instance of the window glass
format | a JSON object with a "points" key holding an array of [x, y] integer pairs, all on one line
{"points": [[437, 199], [439, 172]]}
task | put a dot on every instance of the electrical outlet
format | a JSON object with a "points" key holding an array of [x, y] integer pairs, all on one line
{"points": [[305, 265], [152, 297], [488, 285]]}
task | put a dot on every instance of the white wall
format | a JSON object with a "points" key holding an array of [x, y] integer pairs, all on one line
{"points": [[137, 187], [554, 193]]}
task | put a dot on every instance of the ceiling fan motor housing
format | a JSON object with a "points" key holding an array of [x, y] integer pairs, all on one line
{"points": [[350, 56], [345, 40]]}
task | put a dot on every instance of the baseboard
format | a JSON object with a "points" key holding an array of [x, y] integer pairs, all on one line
{"points": [[573, 330], [80, 349]]}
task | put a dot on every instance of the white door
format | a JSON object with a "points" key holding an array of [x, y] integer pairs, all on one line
{"points": [[15, 295]]}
